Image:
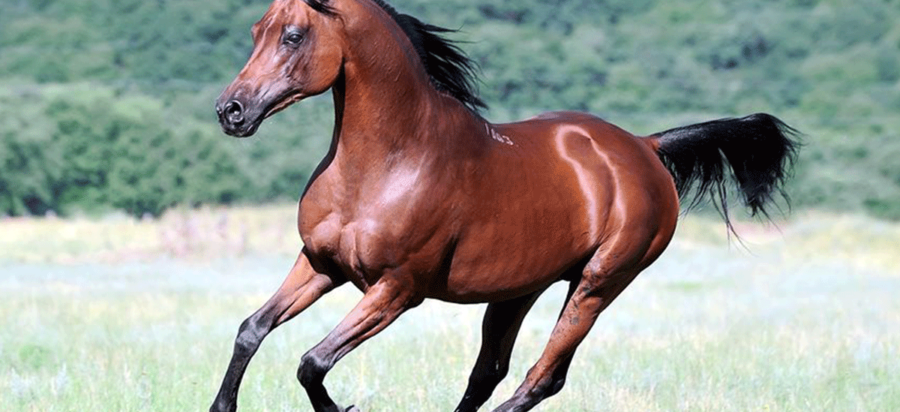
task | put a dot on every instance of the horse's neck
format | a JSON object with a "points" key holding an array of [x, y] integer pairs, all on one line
{"points": [[387, 113], [393, 131], [378, 119]]}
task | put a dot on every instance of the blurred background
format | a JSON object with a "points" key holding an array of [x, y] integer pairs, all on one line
{"points": [[107, 105], [135, 236]]}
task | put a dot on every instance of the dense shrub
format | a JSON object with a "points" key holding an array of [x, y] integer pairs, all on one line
{"points": [[78, 148]]}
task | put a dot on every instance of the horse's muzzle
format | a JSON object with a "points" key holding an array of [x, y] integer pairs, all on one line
{"points": [[235, 119]]}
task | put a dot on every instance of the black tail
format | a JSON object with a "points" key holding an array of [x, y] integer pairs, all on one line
{"points": [[759, 148]]}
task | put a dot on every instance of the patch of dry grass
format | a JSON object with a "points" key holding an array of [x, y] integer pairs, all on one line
{"points": [[206, 233]]}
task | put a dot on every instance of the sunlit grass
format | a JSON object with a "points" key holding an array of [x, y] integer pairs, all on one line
{"points": [[111, 317]]}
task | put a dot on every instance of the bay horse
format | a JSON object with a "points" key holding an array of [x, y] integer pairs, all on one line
{"points": [[420, 197]]}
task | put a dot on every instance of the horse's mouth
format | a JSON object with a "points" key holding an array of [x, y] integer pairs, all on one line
{"points": [[282, 102], [243, 132], [244, 122]]}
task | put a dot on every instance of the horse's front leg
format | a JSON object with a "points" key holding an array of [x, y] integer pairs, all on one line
{"points": [[381, 305], [301, 288]]}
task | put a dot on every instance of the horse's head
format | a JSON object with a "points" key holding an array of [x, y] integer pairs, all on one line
{"points": [[297, 53]]}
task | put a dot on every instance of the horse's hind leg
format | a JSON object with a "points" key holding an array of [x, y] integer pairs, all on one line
{"points": [[301, 288], [605, 276], [502, 321], [498, 335], [381, 305]]}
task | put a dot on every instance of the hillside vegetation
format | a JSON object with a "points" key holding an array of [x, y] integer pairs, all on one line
{"points": [[108, 104]]}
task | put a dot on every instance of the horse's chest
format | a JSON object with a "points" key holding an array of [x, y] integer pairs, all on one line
{"points": [[388, 226], [363, 250]]}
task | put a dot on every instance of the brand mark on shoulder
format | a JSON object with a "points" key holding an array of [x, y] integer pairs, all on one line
{"points": [[497, 136]]}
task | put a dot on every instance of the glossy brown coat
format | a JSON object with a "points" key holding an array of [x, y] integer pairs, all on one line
{"points": [[420, 197]]}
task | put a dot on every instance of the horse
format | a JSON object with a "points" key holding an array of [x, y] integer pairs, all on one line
{"points": [[420, 197]]}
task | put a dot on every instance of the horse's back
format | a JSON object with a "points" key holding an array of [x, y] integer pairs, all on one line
{"points": [[632, 160]]}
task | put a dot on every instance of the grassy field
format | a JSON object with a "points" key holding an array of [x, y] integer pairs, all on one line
{"points": [[124, 315]]}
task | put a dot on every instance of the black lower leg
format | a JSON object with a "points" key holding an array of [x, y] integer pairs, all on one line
{"points": [[501, 324], [250, 336], [301, 288], [311, 375], [380, 306], [482, 383]]}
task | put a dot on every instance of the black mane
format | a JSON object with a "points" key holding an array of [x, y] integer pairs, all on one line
{"points": [[451, 71]]}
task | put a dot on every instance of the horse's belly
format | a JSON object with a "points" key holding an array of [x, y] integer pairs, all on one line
{"points": [[490, 283], [490, 269]]}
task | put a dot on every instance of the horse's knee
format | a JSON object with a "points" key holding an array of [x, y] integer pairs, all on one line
{"points": [[250, 334], [312, 370]]}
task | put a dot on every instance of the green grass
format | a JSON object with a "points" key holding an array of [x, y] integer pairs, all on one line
{"points": [[121, 318]]}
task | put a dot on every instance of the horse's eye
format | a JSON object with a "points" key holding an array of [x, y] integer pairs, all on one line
{"points": [[292, 37]]}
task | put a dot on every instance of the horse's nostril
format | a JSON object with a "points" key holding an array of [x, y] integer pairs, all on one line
{"points": [[234, 112], [233, 107]]}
